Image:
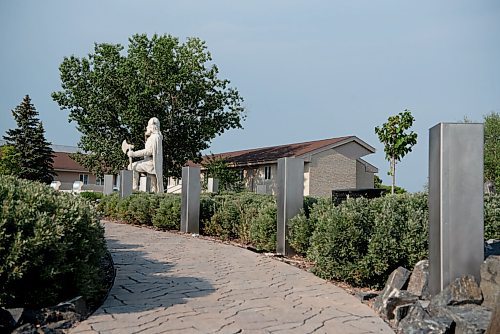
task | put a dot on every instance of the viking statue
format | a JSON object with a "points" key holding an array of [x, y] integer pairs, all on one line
{"points": [[153, 158]]}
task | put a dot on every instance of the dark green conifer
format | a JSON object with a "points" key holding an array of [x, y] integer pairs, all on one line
{"points": [[35, 154]]}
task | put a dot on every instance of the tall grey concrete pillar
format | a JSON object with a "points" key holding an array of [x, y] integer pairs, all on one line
{"points": [[290, 198], [456, 227], [125, 183], [108, 184], [190, 208]]}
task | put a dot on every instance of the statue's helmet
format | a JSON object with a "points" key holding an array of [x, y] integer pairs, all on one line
{"points": [[154, 124]]}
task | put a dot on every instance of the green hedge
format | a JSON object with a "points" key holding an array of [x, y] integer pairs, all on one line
{"points": [[359, 241], [51, 245]]}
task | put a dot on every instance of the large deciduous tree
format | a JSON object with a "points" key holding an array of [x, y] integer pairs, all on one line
{"points": [[492, 148], [32, 159], [397, 143], [111, 95]]}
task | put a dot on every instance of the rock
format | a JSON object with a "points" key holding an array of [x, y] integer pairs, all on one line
{"points": [[7, 322], [400, 312], [419, 280], [468, 318], [25, 329], [397, 280], [490, 280], [428, 326], [364, 296], [494, 326], [391, 299], [463, 290], [77, 305], [16, 313], [491, 247]]}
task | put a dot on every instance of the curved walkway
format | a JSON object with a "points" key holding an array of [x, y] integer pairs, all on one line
{"points": [[170, 283]]}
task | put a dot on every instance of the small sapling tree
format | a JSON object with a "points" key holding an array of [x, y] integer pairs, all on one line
{"points": [[397, 143]]}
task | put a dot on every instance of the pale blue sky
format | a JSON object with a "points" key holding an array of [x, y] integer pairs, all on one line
{"points": [[307, 69]]}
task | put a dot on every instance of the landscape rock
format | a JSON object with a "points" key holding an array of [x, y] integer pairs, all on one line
{"points": [[7, 322], [16, 313], [429, 326], [391, 299], [491, 247], [415, 313], [463, 290], [397, 281], [364, 296], [419, 280], [76, 305], [468, 318], [490, 280], [494, 326]]}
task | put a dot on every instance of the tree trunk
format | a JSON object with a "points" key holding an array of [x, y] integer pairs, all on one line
{"points": [[393, 172]]}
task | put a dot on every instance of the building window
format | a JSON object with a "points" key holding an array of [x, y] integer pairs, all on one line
{"points": [[84, 178], [242, 174], [99, 181], [267, 173]]}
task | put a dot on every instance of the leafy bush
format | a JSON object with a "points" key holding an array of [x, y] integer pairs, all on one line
{"points": [[141, 208], [108, 206], [168, 214], [361, 241], [263, 228], [51, 245], [492, 217], [91, 196]]}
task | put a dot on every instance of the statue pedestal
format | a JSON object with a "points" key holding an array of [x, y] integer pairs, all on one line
{"points": [[125, 183], [145, 183]]}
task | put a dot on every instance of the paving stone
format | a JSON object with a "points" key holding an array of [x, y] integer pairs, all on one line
{"points": [[172, 283]]}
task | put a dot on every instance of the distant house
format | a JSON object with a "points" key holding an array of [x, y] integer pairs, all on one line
{"points": [[68, 171], [330, 164]]}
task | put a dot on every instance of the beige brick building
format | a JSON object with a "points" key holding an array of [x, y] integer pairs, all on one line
{"points": [[330, 164]]}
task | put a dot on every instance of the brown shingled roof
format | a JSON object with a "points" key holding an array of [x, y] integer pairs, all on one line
{"points": [[273, 153], [62, 161]]}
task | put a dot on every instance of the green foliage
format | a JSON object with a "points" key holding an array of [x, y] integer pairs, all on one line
{"points": [[168, 214], [263, 228], [361, 241], [492, 148], [218, 168], [108, 206], [387, 189], [492, 217], [112, 95], [9, 160], [51, 245], [396, 142], [33, 158], [91, 196]]}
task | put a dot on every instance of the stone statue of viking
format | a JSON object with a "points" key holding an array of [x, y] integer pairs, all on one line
{"points": [[153, 158]]}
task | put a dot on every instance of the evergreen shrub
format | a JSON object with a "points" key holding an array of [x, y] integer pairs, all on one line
{"points": [[361, 241], [492, 217], [51, 245], [168, 214]]}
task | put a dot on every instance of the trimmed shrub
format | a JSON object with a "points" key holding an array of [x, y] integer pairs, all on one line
{"points": [[263, 228], [51, 245], [92, 196], [108, 206], [492, 217], [168, 214], [141, 208], [340, 239], [361, 241]]}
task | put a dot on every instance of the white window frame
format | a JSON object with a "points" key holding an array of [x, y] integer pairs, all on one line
{"points": [[84, 178], [267, 173]]}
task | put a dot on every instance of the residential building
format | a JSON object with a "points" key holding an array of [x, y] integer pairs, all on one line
{"points": [[329, 164]]}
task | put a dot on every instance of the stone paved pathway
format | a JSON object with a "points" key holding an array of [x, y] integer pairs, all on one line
{"points": [[169, 283]]}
